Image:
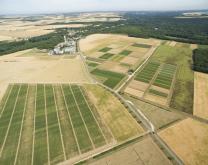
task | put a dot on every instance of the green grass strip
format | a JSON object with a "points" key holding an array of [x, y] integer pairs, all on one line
{"points": [[158, 93]]}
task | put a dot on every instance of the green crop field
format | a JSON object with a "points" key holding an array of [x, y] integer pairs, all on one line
{"points": [[112, 78], [106, 56], [141, 45], [125, 52], [155, 92], [148, 72], [182, 98], [165, 77], [92, 64], [106, 49], [47, 124]]}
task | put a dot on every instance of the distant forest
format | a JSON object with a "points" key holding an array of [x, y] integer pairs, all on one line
{"points": [[200, 60], [161, 25]]}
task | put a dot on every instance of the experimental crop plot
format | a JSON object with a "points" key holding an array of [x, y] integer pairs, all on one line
{"points": [[45, 123]]}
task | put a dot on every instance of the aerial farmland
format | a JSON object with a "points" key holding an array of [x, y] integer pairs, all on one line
{"points": [[103, 88]]}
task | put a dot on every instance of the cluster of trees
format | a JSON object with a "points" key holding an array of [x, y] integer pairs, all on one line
{"points": [[41, 42], [162, 25], [200, 60]]}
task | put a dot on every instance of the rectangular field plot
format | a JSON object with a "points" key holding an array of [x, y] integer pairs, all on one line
{"points": [[106, 49], [148, 72], [112, 78], [106, 56], [48, 124], [125, 52], [142, 45], [165, 77]]}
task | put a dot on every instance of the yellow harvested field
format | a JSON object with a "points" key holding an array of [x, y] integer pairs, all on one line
{"points": [[114, 67], [5, 38], [155, 98], [189, 140], [142, 152], [31, 66], [201, 95], [193, 46], [134, 92], [122, 125], [129, 60], [95, 42], [12, 30], [172, 43], [24, 33], [138, 85]]}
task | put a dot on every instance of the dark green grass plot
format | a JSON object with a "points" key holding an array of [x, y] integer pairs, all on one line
{"points": [[92, 64], [125, 52], [165, 77], [106, 49], [112, 78], [106, 56], [148, 72], [159, 93]]}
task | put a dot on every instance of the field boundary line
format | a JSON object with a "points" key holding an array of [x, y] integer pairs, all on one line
{"points": [[22, 122], [66, 105], [82, 118], [46, 126], [93, 115], [6, 100], [62, 143], [34, 125], [2, 147]]}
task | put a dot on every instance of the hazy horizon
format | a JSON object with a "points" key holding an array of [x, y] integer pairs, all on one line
{"points": [[62, 6]]}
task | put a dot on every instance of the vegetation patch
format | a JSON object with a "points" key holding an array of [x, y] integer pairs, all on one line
{"points": [[141, 45], [200, 60], [113, 78], [155, 92], [182, 98], [106, 49], [92, 64], [106, 56], [165, 77], [125, 52], [148, 72], [39, 115]]}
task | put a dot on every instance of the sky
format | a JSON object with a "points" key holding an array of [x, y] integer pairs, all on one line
{"points": [[51, 6]]}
